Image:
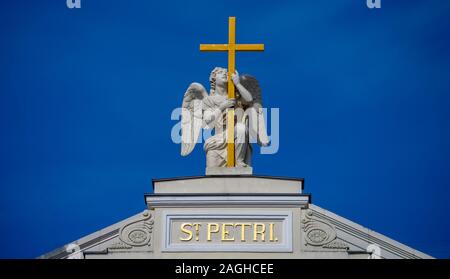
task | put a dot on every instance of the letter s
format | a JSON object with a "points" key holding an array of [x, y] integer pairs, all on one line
{"points": [[186, 231]]}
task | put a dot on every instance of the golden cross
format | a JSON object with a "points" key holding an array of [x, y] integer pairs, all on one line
{"points": [[231, 48]]}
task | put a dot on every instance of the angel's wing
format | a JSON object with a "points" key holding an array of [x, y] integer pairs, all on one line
{"points": [[191, 117], [252, 85], [257, 123]]}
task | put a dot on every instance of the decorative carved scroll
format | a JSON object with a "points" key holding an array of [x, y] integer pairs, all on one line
{"points": [[320, 233], [135, 234]]}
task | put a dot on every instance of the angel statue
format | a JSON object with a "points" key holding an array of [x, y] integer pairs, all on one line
{"points": [[200, 110]]}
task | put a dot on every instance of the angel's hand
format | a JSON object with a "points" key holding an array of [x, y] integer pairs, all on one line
{"points": [[257, 106], [235, 78], [228, 103]]}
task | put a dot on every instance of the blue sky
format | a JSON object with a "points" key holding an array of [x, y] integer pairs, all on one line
{"points": [[86, 97]]}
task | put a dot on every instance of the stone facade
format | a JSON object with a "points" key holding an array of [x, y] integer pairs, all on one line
{"points": [[234, 216]]}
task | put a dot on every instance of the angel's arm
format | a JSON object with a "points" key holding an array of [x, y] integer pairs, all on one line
{"points": [[211, 115], [244, 92]]}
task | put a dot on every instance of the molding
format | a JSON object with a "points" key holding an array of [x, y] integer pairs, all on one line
{"points": [[92, 240], [302, 180], [366, 235], [63, 253], [154, 201]]}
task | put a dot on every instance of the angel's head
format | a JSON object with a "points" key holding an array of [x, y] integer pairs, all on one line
{"points": [[218, 78]]}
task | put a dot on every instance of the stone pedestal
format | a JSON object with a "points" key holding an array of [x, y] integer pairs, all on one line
{"points": [[227, 216], [229, 171]]}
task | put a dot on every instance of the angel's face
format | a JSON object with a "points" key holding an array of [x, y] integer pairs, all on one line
{"points": [[221, 78]]}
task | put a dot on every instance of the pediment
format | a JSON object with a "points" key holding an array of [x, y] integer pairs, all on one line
{"points": [[323, 233]]}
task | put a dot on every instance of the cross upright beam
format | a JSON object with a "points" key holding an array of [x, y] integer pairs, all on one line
{"points": [[231, 48]]}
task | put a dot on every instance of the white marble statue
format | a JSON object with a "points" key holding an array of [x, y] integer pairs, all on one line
{"points": [[200, 110]]}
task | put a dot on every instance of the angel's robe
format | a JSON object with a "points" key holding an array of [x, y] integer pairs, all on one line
{"points": [[216, 146]]}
